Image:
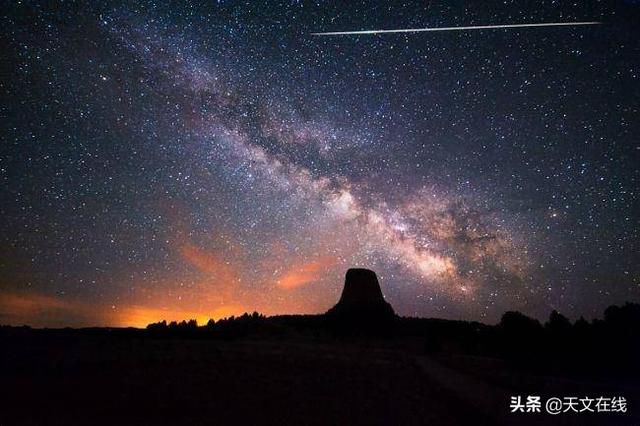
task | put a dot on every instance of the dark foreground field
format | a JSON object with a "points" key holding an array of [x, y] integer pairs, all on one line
{"points": [[71, 377]]}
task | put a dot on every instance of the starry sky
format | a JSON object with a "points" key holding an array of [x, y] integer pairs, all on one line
{"points": [[203, 159]]}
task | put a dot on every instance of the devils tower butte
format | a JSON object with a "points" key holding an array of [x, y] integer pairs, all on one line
{"points": [[362, 297]]}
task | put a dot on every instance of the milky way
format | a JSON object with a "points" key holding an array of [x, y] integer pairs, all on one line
{"points": [[206, 160]]}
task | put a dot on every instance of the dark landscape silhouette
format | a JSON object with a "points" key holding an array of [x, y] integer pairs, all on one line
{"points": [[359, 363]]}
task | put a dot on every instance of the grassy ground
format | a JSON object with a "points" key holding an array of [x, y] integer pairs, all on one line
{"points": [[134, 381], [111, 380]]}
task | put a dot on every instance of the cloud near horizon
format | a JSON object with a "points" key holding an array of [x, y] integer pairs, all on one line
{"points": [[307, 273]]}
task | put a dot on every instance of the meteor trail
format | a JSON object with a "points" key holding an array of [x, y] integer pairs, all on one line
{"points": [[475, 27]]}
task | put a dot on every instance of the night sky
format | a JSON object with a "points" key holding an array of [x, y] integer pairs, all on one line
{"points": [[196, 160]]}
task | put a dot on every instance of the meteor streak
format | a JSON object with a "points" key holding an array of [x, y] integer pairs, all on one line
{"points": [[475, 27]]}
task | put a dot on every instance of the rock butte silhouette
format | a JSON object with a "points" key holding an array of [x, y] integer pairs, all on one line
{"points": [[362, 298]]}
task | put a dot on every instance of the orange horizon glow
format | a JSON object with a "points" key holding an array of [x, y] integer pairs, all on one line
{"points": [[46, 311]]}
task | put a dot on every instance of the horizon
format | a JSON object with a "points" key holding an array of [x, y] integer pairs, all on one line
{"points": [[143, 321], [203, 321], [206, 160]]}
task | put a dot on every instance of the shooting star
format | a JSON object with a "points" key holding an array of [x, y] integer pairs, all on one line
{"points": [[475, 27]]}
